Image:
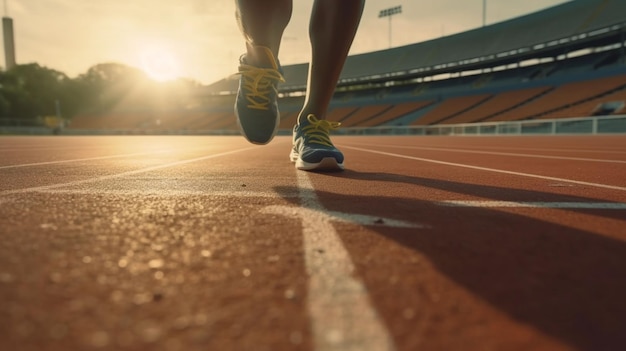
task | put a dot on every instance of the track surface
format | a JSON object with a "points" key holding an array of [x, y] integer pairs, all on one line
{"points": [[210, 243]]}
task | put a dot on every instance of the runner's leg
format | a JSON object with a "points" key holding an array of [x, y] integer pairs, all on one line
{"points": [[262, 24], [332, 29]]}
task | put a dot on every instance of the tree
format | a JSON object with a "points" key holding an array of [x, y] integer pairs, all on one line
{"points": [[30, 91]]}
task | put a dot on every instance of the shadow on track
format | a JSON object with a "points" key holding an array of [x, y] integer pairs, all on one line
{"points": [[566, 282]]}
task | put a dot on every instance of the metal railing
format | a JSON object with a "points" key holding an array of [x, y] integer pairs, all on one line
{"points": [[580, 125], [562, 126]]}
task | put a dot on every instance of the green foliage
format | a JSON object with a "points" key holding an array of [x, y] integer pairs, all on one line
{"points": [[30, 91]]}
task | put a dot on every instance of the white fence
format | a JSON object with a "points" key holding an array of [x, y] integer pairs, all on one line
{"points": [[582, 125]]}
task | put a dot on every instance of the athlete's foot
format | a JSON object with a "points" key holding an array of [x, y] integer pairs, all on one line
{"points": [[256, 105], [312, 149]]}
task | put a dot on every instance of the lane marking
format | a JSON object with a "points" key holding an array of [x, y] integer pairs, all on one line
{"points": [[80, 159], [481, 148], [46, 147], [522, 204], [592, 151], [167, 192], [496, 153], [123, 174], [358, 219], [529, 175], [352, 218], [342, 316]]}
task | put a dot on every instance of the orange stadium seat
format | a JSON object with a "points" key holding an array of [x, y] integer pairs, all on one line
{"points": [[396, 111], [562, 97], [340, 113], [364, 113], [497, 104], [451, 107], [587, 108]]}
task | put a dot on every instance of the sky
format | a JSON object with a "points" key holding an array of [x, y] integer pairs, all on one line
{"points": [[200, 39]]}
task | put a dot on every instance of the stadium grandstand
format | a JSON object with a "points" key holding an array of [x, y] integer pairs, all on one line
{"points": [[567, 61]]}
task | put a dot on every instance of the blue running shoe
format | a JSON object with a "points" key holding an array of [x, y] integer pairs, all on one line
{"points": [[256, 105], [312, 149]]}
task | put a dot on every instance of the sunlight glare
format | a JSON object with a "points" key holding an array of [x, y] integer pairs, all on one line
{"points": [[160, 63]]}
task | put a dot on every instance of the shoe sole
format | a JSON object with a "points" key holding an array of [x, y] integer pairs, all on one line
{"points": [[326, 164], [243, 132]]}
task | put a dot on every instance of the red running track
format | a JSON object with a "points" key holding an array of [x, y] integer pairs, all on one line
{"points": [[423, 243]]}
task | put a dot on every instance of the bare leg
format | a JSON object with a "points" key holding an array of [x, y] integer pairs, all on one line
{"points": [[332, 30], [262, 24]]}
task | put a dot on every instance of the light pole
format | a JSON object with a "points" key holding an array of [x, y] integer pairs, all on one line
{"points": [[389, 13], [484, 12]]}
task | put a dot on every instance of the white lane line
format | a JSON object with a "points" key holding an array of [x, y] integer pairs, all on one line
{"points": [[372, 220], [209, 192], [80, 160], [592, 151], [511, 154], [481, 148], [529, 175], [342, 315], [352, 218], [522, 204], [119, 175], [46, 147]]}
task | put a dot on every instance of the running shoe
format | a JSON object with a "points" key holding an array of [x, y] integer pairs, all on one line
{"points": [[312, 149], [256, 105]]}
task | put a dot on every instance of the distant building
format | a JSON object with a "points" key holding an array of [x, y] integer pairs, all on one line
{"points": [[9, 42]]}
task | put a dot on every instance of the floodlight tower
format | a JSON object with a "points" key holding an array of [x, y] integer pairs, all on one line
{"points": [[484, 12], [390, 12], [9, 41]]}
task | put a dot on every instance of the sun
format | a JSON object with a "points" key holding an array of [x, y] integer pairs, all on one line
{"points": [[160, 63]]}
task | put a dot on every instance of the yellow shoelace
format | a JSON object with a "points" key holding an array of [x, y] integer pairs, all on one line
{"points": [[318, 130], [258, 83]]}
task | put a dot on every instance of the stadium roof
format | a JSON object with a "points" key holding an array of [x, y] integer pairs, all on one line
{"points": [[571, 26]]}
